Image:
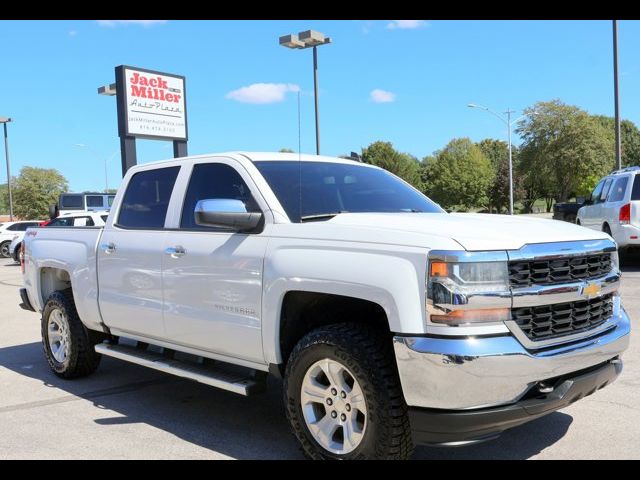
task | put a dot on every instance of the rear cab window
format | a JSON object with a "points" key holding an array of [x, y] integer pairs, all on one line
{"points": [[146, 200]]}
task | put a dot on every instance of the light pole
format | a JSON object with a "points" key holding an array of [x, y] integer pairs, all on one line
{"points": [[106, 160], [509, 123], [307, 39], [4, 121], [616, 95]]}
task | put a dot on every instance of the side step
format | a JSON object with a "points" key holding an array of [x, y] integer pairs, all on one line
{"points": [[233, 380]]}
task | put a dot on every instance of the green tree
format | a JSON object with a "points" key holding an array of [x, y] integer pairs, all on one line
{"points": [[629, 138], [459, 175], [405, 166], [35, 189], [286, 150], [561, 145], [497, 152], [4, 198]]}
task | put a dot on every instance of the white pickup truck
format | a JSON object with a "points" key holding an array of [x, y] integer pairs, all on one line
{"points": [[392, 322]]}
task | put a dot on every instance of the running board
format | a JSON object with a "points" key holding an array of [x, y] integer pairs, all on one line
{"points": [[233, 381]]}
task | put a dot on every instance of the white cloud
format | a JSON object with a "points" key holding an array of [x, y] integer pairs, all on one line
{"points": [[262, 93], [143, 23], [381, 96], [406, 24]]}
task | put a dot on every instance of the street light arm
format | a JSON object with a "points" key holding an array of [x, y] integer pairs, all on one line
{"points": [[481, 107]]}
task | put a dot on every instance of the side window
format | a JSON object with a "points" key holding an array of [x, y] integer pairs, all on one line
{"points": [[61, 222], [595, 195], [605, 190], [71, 202], [616, 194], [14, 227], [635, 193], [94, 201], [214, 180], [147, 198], [83, 222]]}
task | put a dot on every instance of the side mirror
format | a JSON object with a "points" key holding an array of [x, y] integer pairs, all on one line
{"points": [[580, 200], [226, 213]]}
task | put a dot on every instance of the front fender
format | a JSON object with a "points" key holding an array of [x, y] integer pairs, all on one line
{"points": [[390, 276]]}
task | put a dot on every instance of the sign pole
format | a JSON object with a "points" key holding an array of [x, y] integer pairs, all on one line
{"points": [[127, 143]]}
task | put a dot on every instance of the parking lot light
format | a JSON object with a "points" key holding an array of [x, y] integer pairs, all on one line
{"points": [[4, 121]]}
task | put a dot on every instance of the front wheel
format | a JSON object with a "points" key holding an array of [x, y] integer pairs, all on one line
{"points": [[5, 249], [343, 396]]}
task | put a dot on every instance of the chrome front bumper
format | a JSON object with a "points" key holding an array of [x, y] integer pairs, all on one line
{"points": [[469, 373]]}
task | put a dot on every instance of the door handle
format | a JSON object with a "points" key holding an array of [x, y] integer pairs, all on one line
{"points": [[108, 247], [175, 252]]}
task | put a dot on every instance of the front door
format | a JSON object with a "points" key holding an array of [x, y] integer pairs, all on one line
{"points": [[130, 256], [212, 279]]}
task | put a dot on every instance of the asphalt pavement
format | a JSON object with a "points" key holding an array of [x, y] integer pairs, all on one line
{"points": [[125, 411]]}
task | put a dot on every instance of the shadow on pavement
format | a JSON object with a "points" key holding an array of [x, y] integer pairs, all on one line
{"points": [[630, 261], [240, 427]]}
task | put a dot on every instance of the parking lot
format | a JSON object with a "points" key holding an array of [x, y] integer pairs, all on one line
{"points": [[125, 411]]}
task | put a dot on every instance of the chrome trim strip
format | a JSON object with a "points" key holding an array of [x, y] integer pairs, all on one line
{"points": [[548, 251], [565, 292]]}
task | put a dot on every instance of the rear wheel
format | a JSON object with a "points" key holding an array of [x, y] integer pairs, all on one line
{"points": [[5, 250], [67, 343], [343, 396]]}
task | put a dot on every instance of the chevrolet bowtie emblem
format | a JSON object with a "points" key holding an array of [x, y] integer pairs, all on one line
{"points": [[591, 290]]}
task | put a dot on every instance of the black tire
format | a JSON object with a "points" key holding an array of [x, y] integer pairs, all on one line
{"points": [[5, 249], [368, 354], [16, 253], [81, 359], [578, 221], [606, 229], [571, 218]]}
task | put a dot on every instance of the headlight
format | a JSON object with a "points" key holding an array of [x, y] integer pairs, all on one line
{"points": [[615, 261], [462, 293]]}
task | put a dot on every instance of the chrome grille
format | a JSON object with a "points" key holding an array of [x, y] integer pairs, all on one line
{"points": [[526, 273], [551, 321]]}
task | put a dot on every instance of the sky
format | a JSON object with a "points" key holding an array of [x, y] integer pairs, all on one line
{"points": [[404, 81]]}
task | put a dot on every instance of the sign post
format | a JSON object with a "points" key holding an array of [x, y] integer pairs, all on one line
{"points": [[151, 105]]}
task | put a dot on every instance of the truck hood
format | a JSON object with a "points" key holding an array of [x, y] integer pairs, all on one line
{"points": [[474, 231]]}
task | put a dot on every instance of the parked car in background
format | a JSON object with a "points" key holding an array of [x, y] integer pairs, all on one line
{"points": [[8, 230], [614, 207], [82, 219], [568, 211]]}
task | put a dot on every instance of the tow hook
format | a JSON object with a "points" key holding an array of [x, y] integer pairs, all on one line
{"points": [[544, 388]]}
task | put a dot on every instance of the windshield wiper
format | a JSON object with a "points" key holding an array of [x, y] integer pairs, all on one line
{"points": [[321, 216]]}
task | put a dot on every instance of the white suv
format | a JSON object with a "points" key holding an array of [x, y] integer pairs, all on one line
{"points": [[614, 207], [8, 230]]}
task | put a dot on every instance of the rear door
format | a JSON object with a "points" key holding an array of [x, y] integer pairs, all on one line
{"points": [[592, 214], [130, 255]]}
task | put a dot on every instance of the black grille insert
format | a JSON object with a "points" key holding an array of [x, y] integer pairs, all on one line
{"points": [[526, 273], [550, 321]]}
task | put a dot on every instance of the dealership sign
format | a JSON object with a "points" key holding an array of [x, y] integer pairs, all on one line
{"points": [[153, 104]]}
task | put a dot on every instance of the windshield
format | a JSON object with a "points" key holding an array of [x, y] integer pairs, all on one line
{"points": [[332, 188]]}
